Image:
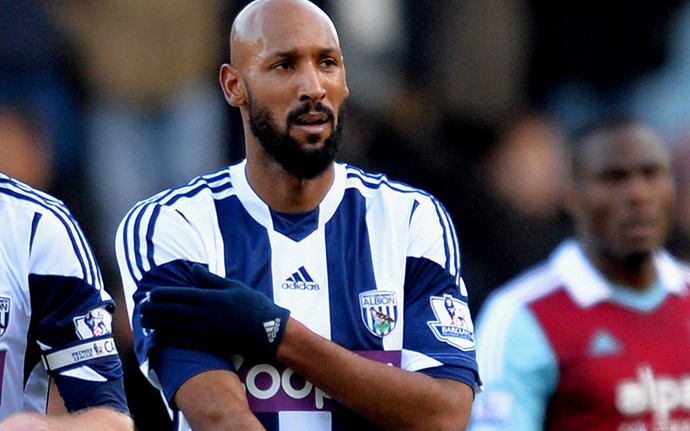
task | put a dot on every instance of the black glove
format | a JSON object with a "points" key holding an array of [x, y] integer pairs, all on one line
{"points": [[218, 315]]}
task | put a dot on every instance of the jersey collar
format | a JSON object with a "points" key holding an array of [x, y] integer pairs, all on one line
{"points": [[588, 287], [260, 212]]}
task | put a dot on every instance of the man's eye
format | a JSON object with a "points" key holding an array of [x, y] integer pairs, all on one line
{"points": [[282, 66]]}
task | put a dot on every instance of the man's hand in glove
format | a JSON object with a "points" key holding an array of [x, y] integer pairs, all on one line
{"points": [[218, 315]]}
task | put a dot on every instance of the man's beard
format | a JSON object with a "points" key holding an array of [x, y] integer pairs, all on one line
{"points": [[287, 151]]}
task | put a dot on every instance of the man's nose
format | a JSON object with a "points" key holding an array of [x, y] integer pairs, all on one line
{"points": [[311, 84], [639, 188]]}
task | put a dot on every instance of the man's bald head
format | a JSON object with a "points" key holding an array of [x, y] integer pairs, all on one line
{"points": [[263, 17], [287, 77]]}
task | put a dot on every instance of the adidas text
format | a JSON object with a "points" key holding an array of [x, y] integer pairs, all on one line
{"points": [[300, 285]]}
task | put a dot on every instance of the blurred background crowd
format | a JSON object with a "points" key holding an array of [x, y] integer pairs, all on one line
{"points": [[104, 103]]}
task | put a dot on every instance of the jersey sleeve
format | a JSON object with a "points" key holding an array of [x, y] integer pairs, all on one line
{"points": [[156, 246], [72, 314], [439, 333], [518, 368]]}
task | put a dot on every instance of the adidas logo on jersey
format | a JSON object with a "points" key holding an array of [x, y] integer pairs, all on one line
{"points": [[300, 280], [603, 344], [272, 328]]}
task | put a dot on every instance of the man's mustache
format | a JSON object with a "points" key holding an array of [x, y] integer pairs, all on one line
{"points": [[306, 108]]}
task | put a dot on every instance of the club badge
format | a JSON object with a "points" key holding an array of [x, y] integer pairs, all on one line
{"points": [[379, 311], [4, 314], [453, 324]]}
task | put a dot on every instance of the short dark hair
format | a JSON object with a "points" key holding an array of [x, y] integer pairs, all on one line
{"points": [[604, 124]]}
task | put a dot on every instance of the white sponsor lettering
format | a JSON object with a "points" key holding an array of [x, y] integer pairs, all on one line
{"points": [[649, 393], [281, 380], [263, 394], [671, 425], [293, 392]]}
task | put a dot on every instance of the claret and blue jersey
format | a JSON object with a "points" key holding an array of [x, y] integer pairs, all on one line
{"points": [[561, 348], [375, 268]]}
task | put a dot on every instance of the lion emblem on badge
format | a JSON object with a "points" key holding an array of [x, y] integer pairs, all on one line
{"points": [[95, 323]]}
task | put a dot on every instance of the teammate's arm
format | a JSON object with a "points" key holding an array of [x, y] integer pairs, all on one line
{"points": [[93, 419], [215, 400], [390, 397], [72, 312]]}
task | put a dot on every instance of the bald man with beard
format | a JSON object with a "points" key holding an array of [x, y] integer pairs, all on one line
{"points": [[251, 289]]}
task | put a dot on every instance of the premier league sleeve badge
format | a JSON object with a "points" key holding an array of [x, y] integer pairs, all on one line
{"points": [[95, 323], [453, 324]]}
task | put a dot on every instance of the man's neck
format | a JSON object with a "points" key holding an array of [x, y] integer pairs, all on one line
{"points": [[285, 192], [636, 272]]}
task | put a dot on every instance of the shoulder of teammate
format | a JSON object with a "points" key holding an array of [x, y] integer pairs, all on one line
{"points": [[56, 243], [71, 313]]}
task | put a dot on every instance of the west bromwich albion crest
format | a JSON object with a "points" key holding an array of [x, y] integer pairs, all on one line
{"points": [[379, 311], [4, 314]]}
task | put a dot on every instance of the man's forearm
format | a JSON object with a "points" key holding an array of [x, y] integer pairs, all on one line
{"points": [[215, 400], [392, 398], [93, 419]]}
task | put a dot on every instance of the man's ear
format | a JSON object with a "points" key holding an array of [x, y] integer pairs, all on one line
{"points": [[232, 85]]}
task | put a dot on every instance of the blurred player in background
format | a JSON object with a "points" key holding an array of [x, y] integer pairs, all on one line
{"points": [[597, 337]]}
